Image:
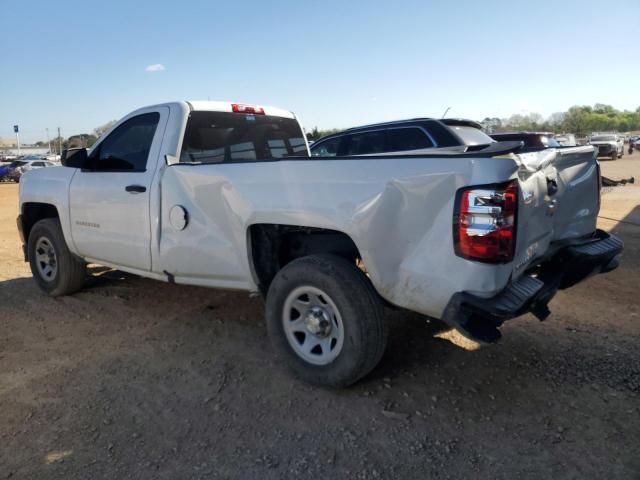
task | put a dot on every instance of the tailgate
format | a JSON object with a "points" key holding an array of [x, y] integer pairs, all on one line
{"points": [[560, 201]]}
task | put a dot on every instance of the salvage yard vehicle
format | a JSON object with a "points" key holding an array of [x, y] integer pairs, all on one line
{"points": [[4, 172], [227, 195], [608, 145], [16, 169]]}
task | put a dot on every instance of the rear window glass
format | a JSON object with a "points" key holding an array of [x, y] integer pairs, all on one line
{"points": [[218, 137], [441, 134], [471, 135], [603, 138]]}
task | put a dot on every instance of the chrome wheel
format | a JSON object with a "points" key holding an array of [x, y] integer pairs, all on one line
{"points": [[46, 260], [313, 325]]}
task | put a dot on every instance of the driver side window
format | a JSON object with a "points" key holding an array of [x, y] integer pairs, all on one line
{"points": [[127, 147]]}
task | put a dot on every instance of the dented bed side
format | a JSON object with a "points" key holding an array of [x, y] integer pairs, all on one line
{"points": [[398, 212]]}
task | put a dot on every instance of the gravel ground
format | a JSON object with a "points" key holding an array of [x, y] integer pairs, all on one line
{"points": [[133, 378]]}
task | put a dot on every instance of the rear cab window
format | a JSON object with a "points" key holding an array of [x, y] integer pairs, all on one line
{"points": [[225, 137]]}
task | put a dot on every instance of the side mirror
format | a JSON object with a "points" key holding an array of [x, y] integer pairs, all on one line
{"points": [[74, 157]]}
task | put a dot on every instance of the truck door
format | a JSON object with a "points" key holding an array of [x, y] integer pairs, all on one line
{"points": [[109, 199]]}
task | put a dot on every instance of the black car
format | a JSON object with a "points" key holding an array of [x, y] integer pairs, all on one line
{"points": [[403, 136], [533, 141]]}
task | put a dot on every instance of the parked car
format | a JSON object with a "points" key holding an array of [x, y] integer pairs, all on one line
{"points": [[415, 135], [532, 141], [4, 172], [17, 168], [608, 145], [226, 195]]}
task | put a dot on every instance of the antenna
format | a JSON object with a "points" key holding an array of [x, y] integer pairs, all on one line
{"points": [[445, 112]]}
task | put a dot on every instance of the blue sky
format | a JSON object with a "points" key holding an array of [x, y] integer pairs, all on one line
{"points": [[78, 64]]}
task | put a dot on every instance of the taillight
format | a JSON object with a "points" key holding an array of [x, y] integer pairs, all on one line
{"points": [[241, 108], [485, 223]]}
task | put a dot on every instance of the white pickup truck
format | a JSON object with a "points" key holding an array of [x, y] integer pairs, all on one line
{"points": [[226, 195]]}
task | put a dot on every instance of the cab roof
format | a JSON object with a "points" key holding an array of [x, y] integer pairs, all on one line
{"points": [[224, 106], [446, 121]]}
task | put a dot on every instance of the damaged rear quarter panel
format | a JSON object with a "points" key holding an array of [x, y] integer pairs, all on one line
{"points": [[398, 212]]}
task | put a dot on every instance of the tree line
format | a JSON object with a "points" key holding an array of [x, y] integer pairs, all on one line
{"points": [[579, 120]]}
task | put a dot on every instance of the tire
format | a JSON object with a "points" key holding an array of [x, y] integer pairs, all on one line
{"points": [[347, 302], [614, 155], [66, 274]]}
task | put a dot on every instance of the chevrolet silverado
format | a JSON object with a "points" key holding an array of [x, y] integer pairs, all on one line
{"points": [[227, 195]]}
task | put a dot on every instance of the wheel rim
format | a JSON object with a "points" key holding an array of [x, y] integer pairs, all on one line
{"points": [[46, 259], [313, 325]]}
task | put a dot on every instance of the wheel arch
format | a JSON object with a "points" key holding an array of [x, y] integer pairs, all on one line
{"points": [[31, 213], [272, 246]]}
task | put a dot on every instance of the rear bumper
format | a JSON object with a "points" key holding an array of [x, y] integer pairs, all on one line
{"points": [[479, 317]]}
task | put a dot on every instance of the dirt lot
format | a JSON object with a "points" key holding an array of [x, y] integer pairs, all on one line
{"points": [[138, 379]]}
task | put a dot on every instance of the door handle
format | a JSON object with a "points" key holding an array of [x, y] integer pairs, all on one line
{"points": [[135, 188]]}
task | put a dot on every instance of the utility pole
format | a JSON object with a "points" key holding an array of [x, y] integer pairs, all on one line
{"points": [[49, 141], [59, 143]]}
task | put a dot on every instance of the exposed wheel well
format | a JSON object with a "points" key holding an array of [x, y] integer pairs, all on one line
{"points": [[33, 212], [272, 246]]}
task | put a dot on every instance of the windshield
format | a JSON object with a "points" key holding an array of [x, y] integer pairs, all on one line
{"points": [[471, 135], [221, 137], [603, 138]]}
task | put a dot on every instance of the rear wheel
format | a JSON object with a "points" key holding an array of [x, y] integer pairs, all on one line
{"points": [[614, 155], [55, 269], [325, 320]]}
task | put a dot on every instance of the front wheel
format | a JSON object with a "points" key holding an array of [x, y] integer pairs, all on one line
{"points": [[614, 155], [325, 320], [55, 269]]}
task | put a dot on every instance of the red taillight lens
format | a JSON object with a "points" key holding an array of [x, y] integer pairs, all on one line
{"points": [[485, 223], [241, 108]]}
